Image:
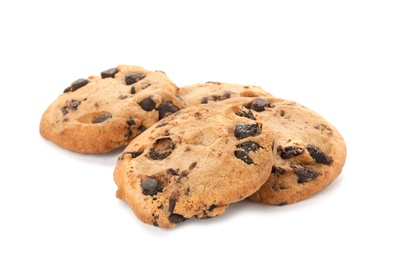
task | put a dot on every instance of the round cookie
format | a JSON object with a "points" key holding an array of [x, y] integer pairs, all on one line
{"points": [[310, 152], [194, 163], [101, 113], [217, 91]]}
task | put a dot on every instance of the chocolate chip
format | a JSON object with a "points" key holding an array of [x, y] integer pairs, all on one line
{"points": [[64, 111], [132, 78], [282, 203], [245, 112], [133, 90], [304, 174], [192, 166], [243, 155], [279, 170], [259, 104], [172, 171], [246, 130], [161, 149], [176, 218], [150, 187], [249, 146], [131, 121], [147, 104], [318, 155], [74, 105], [142, 128], [224, 96], [165, 109], [289, 151], [79, 83], [110, 73], [101, 118], [172, 205]]}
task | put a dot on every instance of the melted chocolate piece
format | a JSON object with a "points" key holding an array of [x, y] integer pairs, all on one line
{"points": [[150, 187], [245, 112], [166, 108], [249, 146], [79, 83], [246, 130], [110, 73], [147, 104], [101, 118], [132, 78], [259, 104], [318, 155], [224, 96], [304, 174], [243, 155], [161, 149], [131, 121], [289, 151]]}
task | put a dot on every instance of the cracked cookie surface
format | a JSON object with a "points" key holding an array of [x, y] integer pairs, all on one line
{"points": [[194, 163], [101, 113]]}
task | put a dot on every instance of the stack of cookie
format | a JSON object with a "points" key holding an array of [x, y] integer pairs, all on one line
{"points": [[191, 151]]}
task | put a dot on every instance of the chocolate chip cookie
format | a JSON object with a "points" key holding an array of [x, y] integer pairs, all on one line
{"points": [[100, 113], [194, 163], [217, 91], [310, 151]]}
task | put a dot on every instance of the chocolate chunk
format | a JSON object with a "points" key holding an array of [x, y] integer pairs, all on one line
{"points": [[133, 90], [161, 149], [279, 170], [165, 109], [74, 105], [318, 155], [282, 203], [246, 130], [150, 187], [131, 121], [176, 218], [245, 112], [243, 155], [193, 165], [289, 151], [110, 73], [172, 205], [132, 78], [304, 174], [259, 104], [101, 118], [142, 128], [172, 171], [249, 146], [147, 104], [79, 83], [64, 111]]}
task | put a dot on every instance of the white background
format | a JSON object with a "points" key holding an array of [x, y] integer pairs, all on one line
{"points": [[335, 57]]}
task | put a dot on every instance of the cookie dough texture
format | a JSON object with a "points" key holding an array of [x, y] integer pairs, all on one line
{"points": [[309, 151], [101, 113], [202, 93], [194, 163]]}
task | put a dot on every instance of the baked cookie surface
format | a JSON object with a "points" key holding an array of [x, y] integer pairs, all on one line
{"points": [[101, 113], [310, 151], [202, 93], [194, 163]]}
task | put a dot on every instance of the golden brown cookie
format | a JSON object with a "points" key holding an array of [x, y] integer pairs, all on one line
{"points": [[194, 163], [101, 113], [310, 151]]}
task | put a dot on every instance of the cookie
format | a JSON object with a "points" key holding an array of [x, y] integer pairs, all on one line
{"points": [[217, 91], [310, 151], [194, 163], [101, 113]]}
